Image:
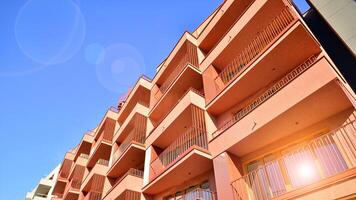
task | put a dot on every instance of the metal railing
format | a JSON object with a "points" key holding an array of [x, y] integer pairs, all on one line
{"points": [[190, 57], [192, 137], [175, 104], [134, 136], [322, 157], [199, 194], [131, 172], [57, 195], [114, 109], [104, 137], [268, 93], [102, 162], [84, 155], [262, 40]]}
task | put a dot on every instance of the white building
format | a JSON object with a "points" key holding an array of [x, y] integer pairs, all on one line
{"points": [[44, 188]]}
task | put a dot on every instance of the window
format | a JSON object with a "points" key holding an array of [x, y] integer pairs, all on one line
{"points": [[274, 174], [200, 191], [301, 167], [257, 180]]}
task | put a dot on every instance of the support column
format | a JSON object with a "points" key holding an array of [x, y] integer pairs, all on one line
{"points": [[226, 169]]}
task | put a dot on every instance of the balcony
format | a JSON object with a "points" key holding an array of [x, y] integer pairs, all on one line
{"points": [[185, 158], [179, 116], [179, 72], [80, 162], [72, 189], [279, 24], [93, 196], [189, 77], [224, 18], [65, 169], [139, 94], [101, 148], [85, 145], [190, 57], [235, 73], [58, 189], [131, 181], [138, 115], [96, 176], [131, 195], [57, 196], [321, 162], [267, 94], [198, 193], [300, 99], [130, 153]]}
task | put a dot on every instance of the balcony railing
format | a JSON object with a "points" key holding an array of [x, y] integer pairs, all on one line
{"points": [[132, 172], [137, 136], [262, 40], [105, 137], [114, 109], [200, 194], [102, 162], [268, 93], [192, 137], [84, 155], [145, 104], [57, 195], [322, 157], [176, 103], [190, 57], [93, 196]]}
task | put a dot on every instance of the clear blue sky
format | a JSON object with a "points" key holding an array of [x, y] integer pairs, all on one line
{"points": [[63, 63]]}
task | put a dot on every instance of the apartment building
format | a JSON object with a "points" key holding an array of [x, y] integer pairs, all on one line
{"points": [[44, 188], [248, 106]]}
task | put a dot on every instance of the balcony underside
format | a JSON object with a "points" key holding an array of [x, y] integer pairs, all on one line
{"points": [[132, 157], [268, 67], [194, 163], [101, 152], [189, 77], [322, 104]]}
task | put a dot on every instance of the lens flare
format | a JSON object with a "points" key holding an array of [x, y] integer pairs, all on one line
{"points": [[306, 170]]}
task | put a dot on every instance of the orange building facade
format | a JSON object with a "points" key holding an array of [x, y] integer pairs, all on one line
{"points": [[248, 106]]}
